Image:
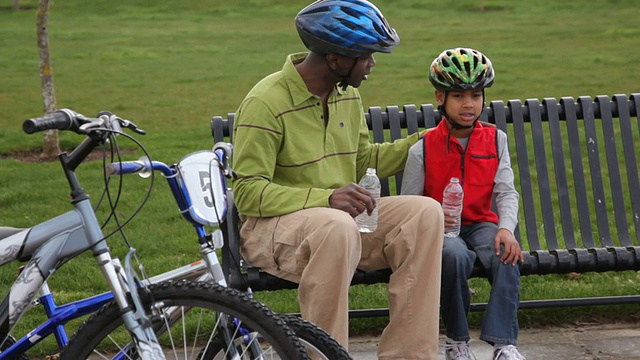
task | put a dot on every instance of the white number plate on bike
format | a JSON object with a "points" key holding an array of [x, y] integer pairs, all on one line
{"points": [[205, 185]]}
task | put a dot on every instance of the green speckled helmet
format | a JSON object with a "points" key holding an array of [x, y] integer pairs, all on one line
{"points": [[461, 69]]}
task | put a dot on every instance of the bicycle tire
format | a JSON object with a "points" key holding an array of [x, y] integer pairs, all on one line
{"points": [[319, 343], [104, 333]]}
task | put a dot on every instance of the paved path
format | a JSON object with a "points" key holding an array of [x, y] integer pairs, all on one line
{"points": [[601, 342]]}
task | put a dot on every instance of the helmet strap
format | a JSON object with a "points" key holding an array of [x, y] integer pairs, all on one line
{"points": [[344, 82]]}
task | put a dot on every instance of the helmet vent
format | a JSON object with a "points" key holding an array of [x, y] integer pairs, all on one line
{"points": [[317, 10], [350, 12], [379, 30], [456, 62], [467, 67], [348, 24]]}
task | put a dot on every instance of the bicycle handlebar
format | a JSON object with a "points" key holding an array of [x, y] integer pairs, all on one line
{"points": [[137, 166], [63, 119], [66, 119]]}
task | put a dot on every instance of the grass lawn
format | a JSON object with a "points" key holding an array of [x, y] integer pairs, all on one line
{"points": [[169, 66]]}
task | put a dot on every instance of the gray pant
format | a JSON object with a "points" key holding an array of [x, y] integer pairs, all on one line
{"points": [[320, 249]]}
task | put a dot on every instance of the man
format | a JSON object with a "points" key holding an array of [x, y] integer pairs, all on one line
{"points": [[301, 143]]}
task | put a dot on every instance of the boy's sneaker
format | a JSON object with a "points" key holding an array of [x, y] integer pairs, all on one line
{"points": [[508, 352], [458, 351]]}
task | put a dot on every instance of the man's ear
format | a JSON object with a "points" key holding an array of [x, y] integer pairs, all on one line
{"points": [[439, 96], [332, 60]]}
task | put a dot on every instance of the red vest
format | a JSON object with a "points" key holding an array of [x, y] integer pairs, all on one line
{"points": [[476, 168]]}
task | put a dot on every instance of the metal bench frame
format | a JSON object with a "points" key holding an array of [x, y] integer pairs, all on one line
{"points": [[576, 170]]}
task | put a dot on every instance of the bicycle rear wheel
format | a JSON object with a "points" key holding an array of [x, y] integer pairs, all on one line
{"points": [[188, 317], [319, 343]]}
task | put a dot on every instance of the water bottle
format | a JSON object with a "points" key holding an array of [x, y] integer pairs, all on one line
{"points": [[452, 207], [369, 181]]}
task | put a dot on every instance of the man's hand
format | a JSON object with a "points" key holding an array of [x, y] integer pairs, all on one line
{"points": [[512, 250], [353, 199]]}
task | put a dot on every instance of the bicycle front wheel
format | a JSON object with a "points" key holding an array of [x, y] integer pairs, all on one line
{"points": [[188, 317]]}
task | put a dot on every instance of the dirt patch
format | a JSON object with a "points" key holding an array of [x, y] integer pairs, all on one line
{"points": [[34, 155]]}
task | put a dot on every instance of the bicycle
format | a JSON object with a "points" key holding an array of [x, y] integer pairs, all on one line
{"points": [[139, 309], [198, 185]]}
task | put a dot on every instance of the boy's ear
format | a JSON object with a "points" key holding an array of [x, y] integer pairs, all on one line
{"points": [[439, 97]]}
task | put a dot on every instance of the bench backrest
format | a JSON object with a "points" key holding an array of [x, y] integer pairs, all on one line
{"points": [[575, 162]]}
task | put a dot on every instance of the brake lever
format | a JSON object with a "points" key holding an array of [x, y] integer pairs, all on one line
{"points": [[223, 164], [121, 123], [131, 126], [89, 124]]}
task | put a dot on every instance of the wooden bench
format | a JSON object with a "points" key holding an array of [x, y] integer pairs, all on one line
{"points": [[575, 163]]}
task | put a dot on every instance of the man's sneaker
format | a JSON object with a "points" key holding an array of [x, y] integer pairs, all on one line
{"points": [[508, 352], [458, 351]]}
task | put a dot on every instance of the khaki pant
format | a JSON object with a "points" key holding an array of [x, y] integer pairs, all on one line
{"points": [[320, 249]]}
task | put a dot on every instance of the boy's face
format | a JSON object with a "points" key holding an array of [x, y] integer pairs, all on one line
{"points": [[463, 107]]}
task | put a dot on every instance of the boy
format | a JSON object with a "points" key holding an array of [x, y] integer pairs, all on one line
{"points": [[478, 155]]}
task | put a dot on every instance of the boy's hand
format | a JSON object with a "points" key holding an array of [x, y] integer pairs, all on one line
{"points": [[512, 250]]}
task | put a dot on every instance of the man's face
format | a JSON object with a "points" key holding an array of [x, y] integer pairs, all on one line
{"points": [[360, 67], [361, 70]]}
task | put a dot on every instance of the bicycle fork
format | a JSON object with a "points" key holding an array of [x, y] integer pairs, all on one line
{"points": [[208, 254], [135, 320]]}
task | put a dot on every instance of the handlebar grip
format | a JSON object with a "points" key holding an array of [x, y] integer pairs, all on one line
{"points": [[125, 167], [61, 120]]}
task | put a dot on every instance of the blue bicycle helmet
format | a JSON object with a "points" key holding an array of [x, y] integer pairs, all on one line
{"points": [[348, 27]]}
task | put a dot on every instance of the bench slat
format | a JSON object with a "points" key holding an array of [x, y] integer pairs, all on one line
{"points": [[411, 118], [631, 162], [430, 115], [377, 126], [395, 123], [542, 173], [562, 185], [613, 168], [524, 174], [599, 202], [579, 184]]}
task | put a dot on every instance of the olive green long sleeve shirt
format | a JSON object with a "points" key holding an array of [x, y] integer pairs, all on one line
{"points": [[288, 157]]}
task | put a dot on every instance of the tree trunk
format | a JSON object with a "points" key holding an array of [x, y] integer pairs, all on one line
{"points": [[16, 5], [51, 146]]}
